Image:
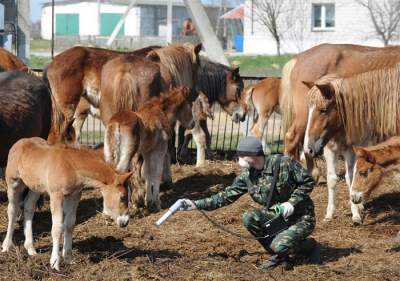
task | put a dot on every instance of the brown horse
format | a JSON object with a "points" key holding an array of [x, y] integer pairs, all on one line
{"points": [[73, 74], [343, 60], [357, 110], [9, 61], [372, 164], [25, 109], [60, 172], [264, 98], [146, 133]]}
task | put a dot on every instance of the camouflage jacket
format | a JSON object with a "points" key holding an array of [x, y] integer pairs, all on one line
{"points": [[294, 184]]}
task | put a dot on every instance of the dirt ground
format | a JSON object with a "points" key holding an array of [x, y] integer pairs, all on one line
{"points": [[188, 247]]}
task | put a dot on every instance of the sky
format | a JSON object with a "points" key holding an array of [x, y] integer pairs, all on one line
{"points": [[36, 6]]}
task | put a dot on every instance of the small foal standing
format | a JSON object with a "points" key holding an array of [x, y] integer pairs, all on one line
{"points": [[146, 133], [62, 172]]}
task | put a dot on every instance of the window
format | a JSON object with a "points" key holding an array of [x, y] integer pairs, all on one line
{"points": [[323, 17]]}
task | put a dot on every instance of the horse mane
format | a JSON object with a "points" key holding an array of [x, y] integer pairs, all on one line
{"points": [[211, 79], [286, 97], [153, 113], [368, 103], [386, 152], [178, 61]]}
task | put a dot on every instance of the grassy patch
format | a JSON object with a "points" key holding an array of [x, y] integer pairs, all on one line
{"points": [[38, 61], [40, 45], [260, 65]]}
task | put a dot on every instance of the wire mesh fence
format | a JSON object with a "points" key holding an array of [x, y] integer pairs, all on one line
{"points": [[225, 134]]}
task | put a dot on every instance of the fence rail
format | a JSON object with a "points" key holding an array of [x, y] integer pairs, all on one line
{"points": [[225, 134]]}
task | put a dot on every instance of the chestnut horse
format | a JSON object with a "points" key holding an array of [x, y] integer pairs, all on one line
{"points": [[8, 61], [25, 109], [264, 97], [59, 171], [358, 110], [146, 133], [372, 164], [73, 74]]}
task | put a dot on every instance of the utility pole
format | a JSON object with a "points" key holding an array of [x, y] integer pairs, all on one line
{"points": [[207, 35], [120, 23], [23, 32], [169, 21]]}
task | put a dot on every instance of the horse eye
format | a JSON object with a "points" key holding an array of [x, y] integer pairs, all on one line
{"points": [[364, 173], [323, 110]]}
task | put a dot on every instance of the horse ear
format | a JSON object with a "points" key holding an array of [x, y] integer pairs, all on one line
{"points": [[309, 84], [361, 152], [123, 179], [153, 56], [198, 48], [326, 90]]}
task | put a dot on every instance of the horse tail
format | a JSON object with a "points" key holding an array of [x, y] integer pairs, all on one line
{"points": [[122, 138], [125, 91], [57, 117], [286, 97]]}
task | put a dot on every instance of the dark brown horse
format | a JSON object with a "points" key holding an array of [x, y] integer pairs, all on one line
{"points": [[73, 74], [25, 109]]}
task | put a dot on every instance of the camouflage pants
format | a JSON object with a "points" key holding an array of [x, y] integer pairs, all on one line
{"points": [[301, 226]]}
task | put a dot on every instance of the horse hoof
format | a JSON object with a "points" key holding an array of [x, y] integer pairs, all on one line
{"points": [[7, 247], [357, 221], [31, 251], [327, 220], [55, 263]]}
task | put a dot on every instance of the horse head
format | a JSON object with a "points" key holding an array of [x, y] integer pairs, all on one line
{"points": [[233, 88], [115, 199], [244, 105], [367, 175], [323, 117]]}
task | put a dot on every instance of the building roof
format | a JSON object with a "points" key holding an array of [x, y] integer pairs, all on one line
{"points": [[215, 3]]}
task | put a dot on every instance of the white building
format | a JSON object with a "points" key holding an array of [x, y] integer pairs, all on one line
{"points": [[148, 18], [307, 23]]}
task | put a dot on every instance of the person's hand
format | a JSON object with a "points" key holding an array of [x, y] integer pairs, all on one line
{"points": [[285, 209], [187, 205]]}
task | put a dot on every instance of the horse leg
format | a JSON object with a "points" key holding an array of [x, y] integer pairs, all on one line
{"points": [[29, 211], [80, 115], [204, 128], [200, 140], [184, 150], [14, 194], [153, 172], [56, 207], [356, 209], [69, 209], [292, 140], [331, 160]]}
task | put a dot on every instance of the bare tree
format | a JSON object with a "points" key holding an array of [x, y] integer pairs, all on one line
{"points": [[385, 16], [268, 14]]}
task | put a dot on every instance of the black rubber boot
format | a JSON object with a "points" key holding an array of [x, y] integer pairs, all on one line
{"points": [[276, 260], [311, 249]]}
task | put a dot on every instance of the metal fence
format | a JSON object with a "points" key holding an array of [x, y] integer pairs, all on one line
{"points": [[225, 134]]}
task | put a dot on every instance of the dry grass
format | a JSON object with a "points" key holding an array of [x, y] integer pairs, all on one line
{"points": [[187, 247]]}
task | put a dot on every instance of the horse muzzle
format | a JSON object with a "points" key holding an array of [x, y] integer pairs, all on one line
{"points": [[238, 116], [316, 148], [122, 221], [356, 197]]}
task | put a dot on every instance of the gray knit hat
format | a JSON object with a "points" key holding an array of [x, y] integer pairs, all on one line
{"points": [[250, 146]]}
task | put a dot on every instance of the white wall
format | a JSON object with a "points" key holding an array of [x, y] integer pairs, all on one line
{"points": [[352, 25], [88, 20]]}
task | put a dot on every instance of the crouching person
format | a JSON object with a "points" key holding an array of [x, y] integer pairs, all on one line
{"points": [[290, 199]]}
